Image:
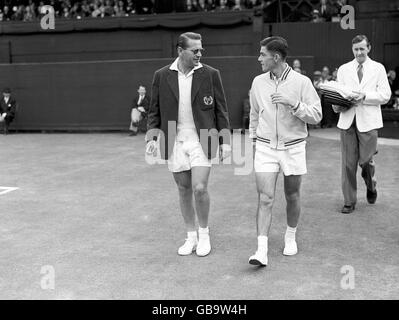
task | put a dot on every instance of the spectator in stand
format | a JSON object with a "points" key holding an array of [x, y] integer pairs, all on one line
{"points": [[76, 11], [334, 75], [330, 118], [29, 14], [86, 11], [33, 8], [18, 12], [223, 5], [252, 4], [317, 80], [325, 74], [144, 6], [191, 6], [316, 18], [296, 65], [130, 8], [237, 5], [391, 80], [8, 108], [6, 13], [66, 13], [96, 13], [338, 4], [108, 9], [326, 10], [204, 6], [139, 112]]}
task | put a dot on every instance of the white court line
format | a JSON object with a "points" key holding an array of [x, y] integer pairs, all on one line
{"points": [[7, 189]]}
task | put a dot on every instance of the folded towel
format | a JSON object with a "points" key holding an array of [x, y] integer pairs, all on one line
{"points": [[334, 86]]}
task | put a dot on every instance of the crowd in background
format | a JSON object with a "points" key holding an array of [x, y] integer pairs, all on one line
{"points": [[30, 10]]}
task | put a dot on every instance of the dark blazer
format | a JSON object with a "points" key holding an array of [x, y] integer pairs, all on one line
{"points": [[208, 105], [10, 108]]}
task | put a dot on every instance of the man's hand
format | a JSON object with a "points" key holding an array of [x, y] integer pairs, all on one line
{"points": [[225, 151], [359, 97], [141, 109], [338, 109], [151, 148], [282, 98]]}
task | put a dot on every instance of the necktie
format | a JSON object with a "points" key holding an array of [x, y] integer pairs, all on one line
{"points": [[360, 72]]}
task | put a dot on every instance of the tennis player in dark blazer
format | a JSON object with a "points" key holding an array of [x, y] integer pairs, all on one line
{"points": [[188, 114]]}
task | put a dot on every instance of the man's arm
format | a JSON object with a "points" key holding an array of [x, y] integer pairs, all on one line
{"points": [[221, 112], [154, 116], [382, 93], [309, 108], [253, 114]]}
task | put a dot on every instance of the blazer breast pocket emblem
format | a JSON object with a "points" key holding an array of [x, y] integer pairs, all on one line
{"points": [[208, 100]]}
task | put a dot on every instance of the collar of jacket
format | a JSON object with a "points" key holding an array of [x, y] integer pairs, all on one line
{"points": [[198, 77], [284, 75]]}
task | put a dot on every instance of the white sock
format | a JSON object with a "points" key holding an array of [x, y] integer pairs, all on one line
{"points": [[290, 233], [202, 231], [262, 243], [192, 235]]}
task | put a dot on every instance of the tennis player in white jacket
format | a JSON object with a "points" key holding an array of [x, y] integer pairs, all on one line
{"points": [[282, 103]]}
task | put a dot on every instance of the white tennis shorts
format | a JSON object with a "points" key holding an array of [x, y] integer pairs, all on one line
{"points": [[291, 161], [187, 154]]}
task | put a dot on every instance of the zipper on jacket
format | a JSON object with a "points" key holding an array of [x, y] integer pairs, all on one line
{"points": [[277, 83]]}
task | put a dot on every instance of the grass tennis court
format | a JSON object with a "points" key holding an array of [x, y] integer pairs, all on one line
{"points": [[109, 224]]}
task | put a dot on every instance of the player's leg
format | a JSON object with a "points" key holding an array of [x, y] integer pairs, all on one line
{"points": [[292, 186], [266, 186], [200, 177], [350, 158], [200, 169], [183, 182], [179, 164], [367, 149]]}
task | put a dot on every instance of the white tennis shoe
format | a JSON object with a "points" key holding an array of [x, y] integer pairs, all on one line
{"points": [[259, 259], [290, 247], [204, 245], [188, 247]]}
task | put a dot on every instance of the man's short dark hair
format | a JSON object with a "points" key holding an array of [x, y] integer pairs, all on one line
{"points": [[184, 37], [276, 44], [360, 38]]}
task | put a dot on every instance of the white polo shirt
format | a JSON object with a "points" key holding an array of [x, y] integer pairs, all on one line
{"points": [[186, 130]]}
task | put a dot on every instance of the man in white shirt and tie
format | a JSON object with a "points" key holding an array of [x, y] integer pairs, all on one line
{"points": [[368, 79]]}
